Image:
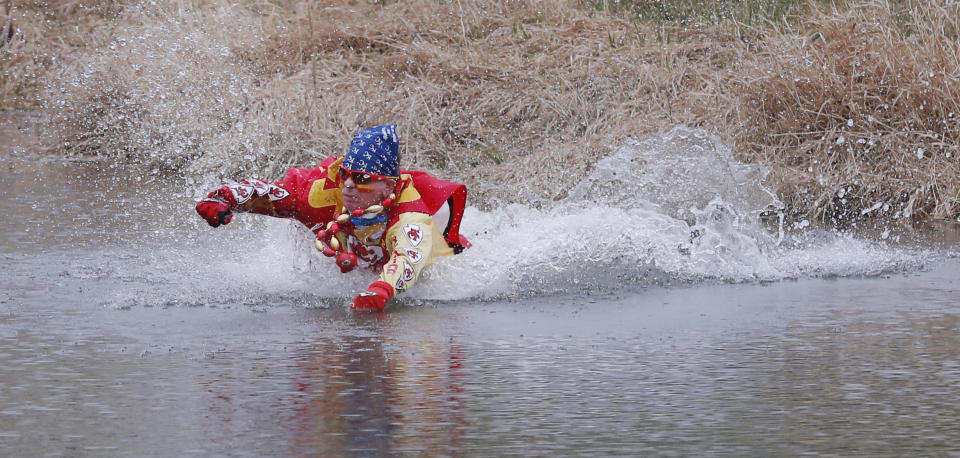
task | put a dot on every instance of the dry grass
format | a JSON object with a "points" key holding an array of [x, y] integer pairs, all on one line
{"points": [[35, 34], [858, 108], [516, 98], [521, 94], [164, 85]]}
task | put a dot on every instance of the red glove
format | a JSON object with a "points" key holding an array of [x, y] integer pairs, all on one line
{"points": [[218, 207], [374, 298]]}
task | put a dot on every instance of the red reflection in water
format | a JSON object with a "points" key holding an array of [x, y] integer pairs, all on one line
{"points": [[378, 394]]}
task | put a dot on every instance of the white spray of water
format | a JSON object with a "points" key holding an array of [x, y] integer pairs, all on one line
{"points": [[672, 209]]}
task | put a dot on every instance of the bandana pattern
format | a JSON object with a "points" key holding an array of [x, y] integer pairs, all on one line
{"points": [[374, 150]]}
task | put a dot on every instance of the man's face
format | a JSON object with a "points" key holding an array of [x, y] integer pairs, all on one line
{"points": [[361, 191]]}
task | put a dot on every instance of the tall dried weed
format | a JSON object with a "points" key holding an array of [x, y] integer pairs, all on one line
{"points": [[36, 36], [857, 109]]}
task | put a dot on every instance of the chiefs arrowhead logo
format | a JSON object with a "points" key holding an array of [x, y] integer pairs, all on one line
{"points": [[259, 186], [413, 255], [407, 272], [369, 254], [414, 233], [277, 193], [242, 193], [401, 285]]}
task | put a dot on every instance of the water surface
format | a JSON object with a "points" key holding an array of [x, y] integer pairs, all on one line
{"points": [[129, 328]]}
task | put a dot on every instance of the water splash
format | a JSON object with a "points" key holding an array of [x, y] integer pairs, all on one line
{"points": [[675, 208], [167, 90]]}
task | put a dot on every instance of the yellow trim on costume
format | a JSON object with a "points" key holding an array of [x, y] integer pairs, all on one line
{"points": [[409, 258], [319, 197], [410, 193], [334, 169]]}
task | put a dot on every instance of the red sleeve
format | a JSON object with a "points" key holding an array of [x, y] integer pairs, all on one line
{"points": [[290, 197], [273, 199]]}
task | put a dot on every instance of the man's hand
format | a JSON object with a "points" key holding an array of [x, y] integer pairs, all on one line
{"points": [[374, 298], [218, 207]]}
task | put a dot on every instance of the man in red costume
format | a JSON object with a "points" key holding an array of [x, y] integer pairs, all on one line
{"points": [[363, 209]]}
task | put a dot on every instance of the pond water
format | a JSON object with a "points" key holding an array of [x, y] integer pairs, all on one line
{"points": [[129, 328]]}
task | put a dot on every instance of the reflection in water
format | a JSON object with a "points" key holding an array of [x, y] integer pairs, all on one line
{"points": [[365, 392], [377, 394]]}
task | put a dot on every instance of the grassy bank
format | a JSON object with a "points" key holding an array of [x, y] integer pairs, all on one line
{"points": [[852, 106]]}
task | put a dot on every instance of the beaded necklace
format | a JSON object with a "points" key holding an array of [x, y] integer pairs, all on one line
{"points": [[328, 242]]}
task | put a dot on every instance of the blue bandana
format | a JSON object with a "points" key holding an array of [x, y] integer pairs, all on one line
{"points": [[374, 150]]}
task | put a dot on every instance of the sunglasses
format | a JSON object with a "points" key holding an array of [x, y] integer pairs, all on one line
{"points": [[360, 177]]}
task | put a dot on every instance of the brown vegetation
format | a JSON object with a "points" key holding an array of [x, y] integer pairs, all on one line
{"points": [[35, 36], [858, 109], [851, 107]]}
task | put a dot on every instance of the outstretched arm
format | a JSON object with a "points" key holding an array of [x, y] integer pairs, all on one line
{"points": [[253, 196], [308, 194]]}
